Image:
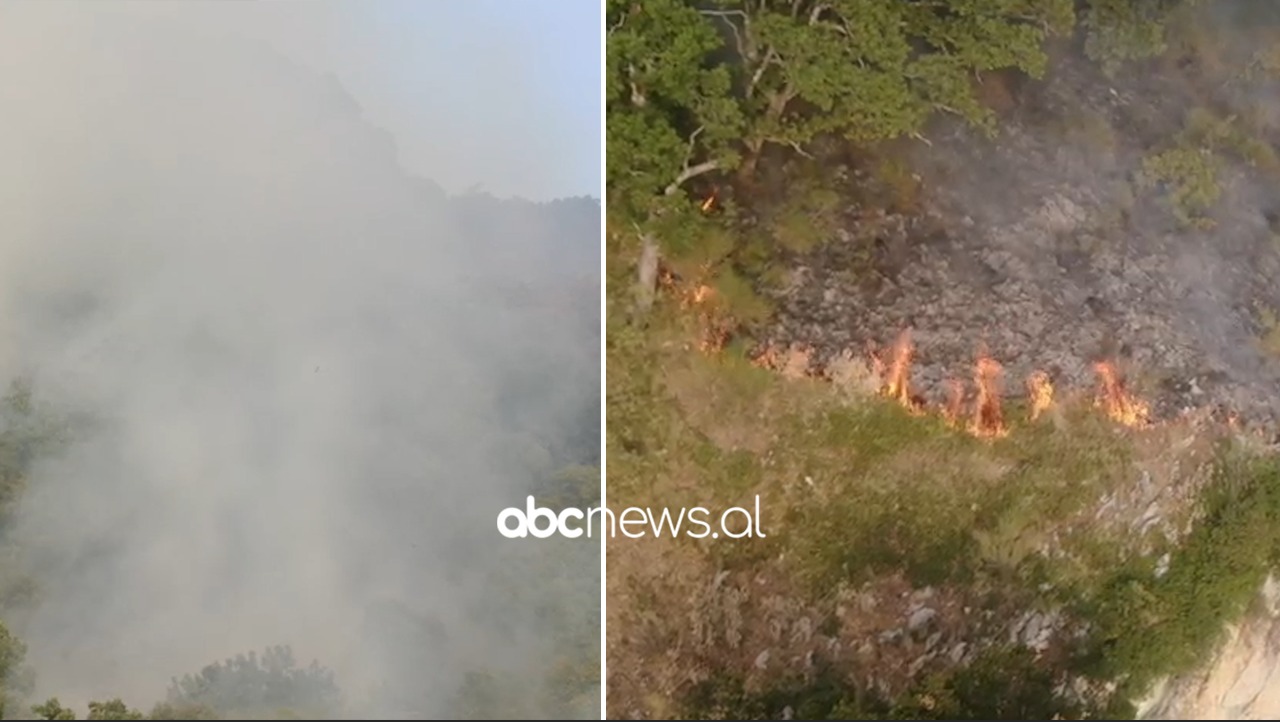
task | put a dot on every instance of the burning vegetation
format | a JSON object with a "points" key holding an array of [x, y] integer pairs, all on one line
{"points": [[1039, 393], [700, 300], [988, 418], [985, 412], [983, 416], [1116, 401], [897, 374]]}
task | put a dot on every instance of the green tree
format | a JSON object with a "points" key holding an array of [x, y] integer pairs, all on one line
{"points": [[699, 88], [1120, 31], [14, 676], [114, 709], [53, 709], [257, 684], [671, 117]]}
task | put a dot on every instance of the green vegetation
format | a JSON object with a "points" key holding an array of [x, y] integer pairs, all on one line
{"points": [[698, 93], [865, 504], [1192, 177], [1146, 627], [1270, 338], [252, 687], [1123, 31], [706, 88], [854, 493], [682, 101], [1191, 168]]}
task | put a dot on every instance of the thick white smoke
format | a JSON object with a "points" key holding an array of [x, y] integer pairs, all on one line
{"points": [[293, 354]]}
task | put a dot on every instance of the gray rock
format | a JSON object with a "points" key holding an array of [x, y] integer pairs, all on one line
{"points": [[920, 619], [892, 636], [932, 641], [762, 660]]}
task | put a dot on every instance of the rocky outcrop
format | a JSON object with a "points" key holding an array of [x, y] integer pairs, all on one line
{"points": [[1242, 682]]}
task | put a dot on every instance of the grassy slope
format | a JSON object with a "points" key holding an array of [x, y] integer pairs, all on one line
{"points": [[894, 503]]}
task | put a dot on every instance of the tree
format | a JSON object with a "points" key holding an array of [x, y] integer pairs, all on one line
{"points": [[114, 709], [52, 709], [1120, 31], [253, 684], [665, 108], [695, 88], [14, 675]]}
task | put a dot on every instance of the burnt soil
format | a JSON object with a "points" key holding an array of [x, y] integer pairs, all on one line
{"points": [[1024, 245]]}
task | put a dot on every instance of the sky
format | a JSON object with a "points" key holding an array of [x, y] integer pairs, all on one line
{"points": [[433, 73]]}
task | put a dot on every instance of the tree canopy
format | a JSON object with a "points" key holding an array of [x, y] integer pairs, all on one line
{"points": [[707, 86], [697, 87]]}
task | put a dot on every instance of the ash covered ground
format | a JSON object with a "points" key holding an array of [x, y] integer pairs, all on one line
{"points": [[1041, 247]]}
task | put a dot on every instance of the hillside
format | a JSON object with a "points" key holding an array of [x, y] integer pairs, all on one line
{"points": [[978, 301]]}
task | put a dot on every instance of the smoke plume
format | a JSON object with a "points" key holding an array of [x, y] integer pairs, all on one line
{"points": [[309, 380]]}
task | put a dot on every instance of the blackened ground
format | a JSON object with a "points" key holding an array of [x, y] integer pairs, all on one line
{"points": [[1039, 246]]}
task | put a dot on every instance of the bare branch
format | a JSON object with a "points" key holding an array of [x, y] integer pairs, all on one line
{"points": [[817, 12], [921, 138], [796, 147], [769, 58], [637, 96], [692, 172], [778, 102], [743, 50], [621, 21], [725, 13], [688, 171], [693, 139]]}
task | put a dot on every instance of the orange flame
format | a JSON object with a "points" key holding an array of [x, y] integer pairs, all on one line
{"points": [[955, 402], [1040, 391], [988, 418], [768, 358], [699, 295], [897, 378], [1116, 401], [715, 335], [706, 204]]}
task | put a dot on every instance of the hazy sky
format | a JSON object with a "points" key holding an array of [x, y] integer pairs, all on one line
{"points": [[524, 122]]}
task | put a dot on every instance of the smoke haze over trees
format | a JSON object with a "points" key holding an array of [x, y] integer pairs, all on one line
{"points": [[270, 392]]}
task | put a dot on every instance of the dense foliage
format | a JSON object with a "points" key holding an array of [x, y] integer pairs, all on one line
{"points": [[701, 87]]}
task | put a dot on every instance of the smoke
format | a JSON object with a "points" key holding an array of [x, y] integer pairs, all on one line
{"points": [[297, 359]]}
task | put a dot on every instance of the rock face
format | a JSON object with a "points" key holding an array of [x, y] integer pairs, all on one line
{"points": [[1241, 682]]}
